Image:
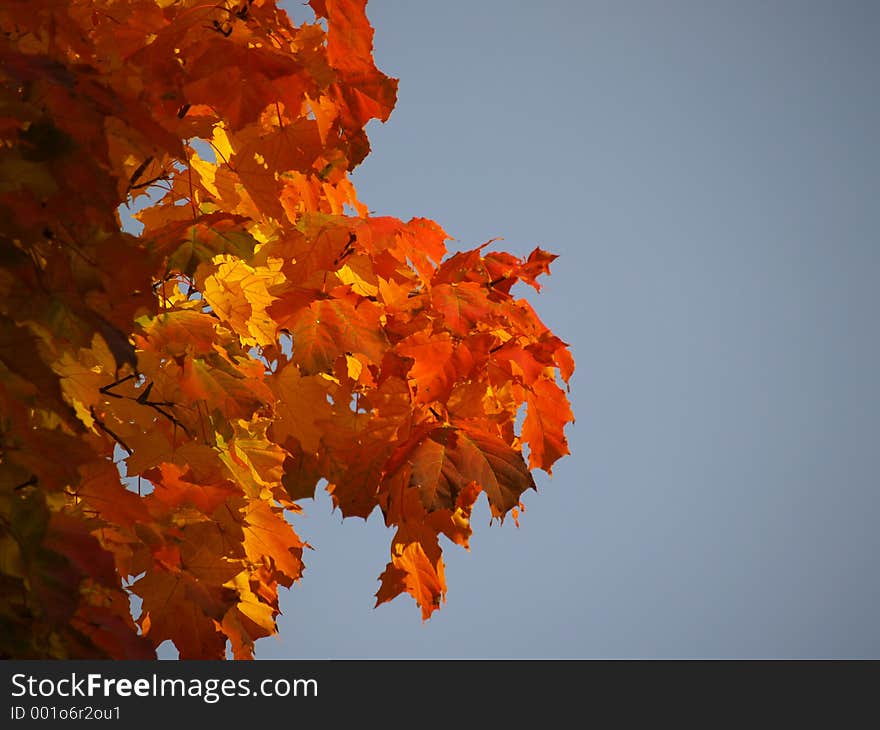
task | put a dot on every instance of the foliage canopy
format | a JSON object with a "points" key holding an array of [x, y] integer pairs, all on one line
{"points": [[261, 334]]}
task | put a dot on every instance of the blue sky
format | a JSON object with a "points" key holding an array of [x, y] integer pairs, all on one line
{"points": [[708, 174]]}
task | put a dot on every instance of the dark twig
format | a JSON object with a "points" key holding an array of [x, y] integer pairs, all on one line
{"points": [[110, 433], [32, 482], [107, 388]]}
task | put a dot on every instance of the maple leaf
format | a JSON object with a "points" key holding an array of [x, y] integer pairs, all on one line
{"points": [[172, 609], [264, 159], [237, 80], [302, 405], [445, 460], [411, 570], [328, 328], [188, 242], [543, 428], [357, 447], [461, 304], [433, 371]]}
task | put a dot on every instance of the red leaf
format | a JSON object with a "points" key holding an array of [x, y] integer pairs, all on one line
{"points": [[329, 328], [433, 370], [445, 460], [543, 429]]}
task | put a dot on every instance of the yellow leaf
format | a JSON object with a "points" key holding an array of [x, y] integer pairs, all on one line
{"points": [[238, 294], [354, 366], [260, 613], [358, 274]]}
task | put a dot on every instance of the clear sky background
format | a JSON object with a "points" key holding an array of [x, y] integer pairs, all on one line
{"points": [[708, 173]]}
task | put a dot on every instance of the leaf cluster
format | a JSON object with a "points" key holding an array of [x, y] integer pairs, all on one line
{"points": [[168, 399]]}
